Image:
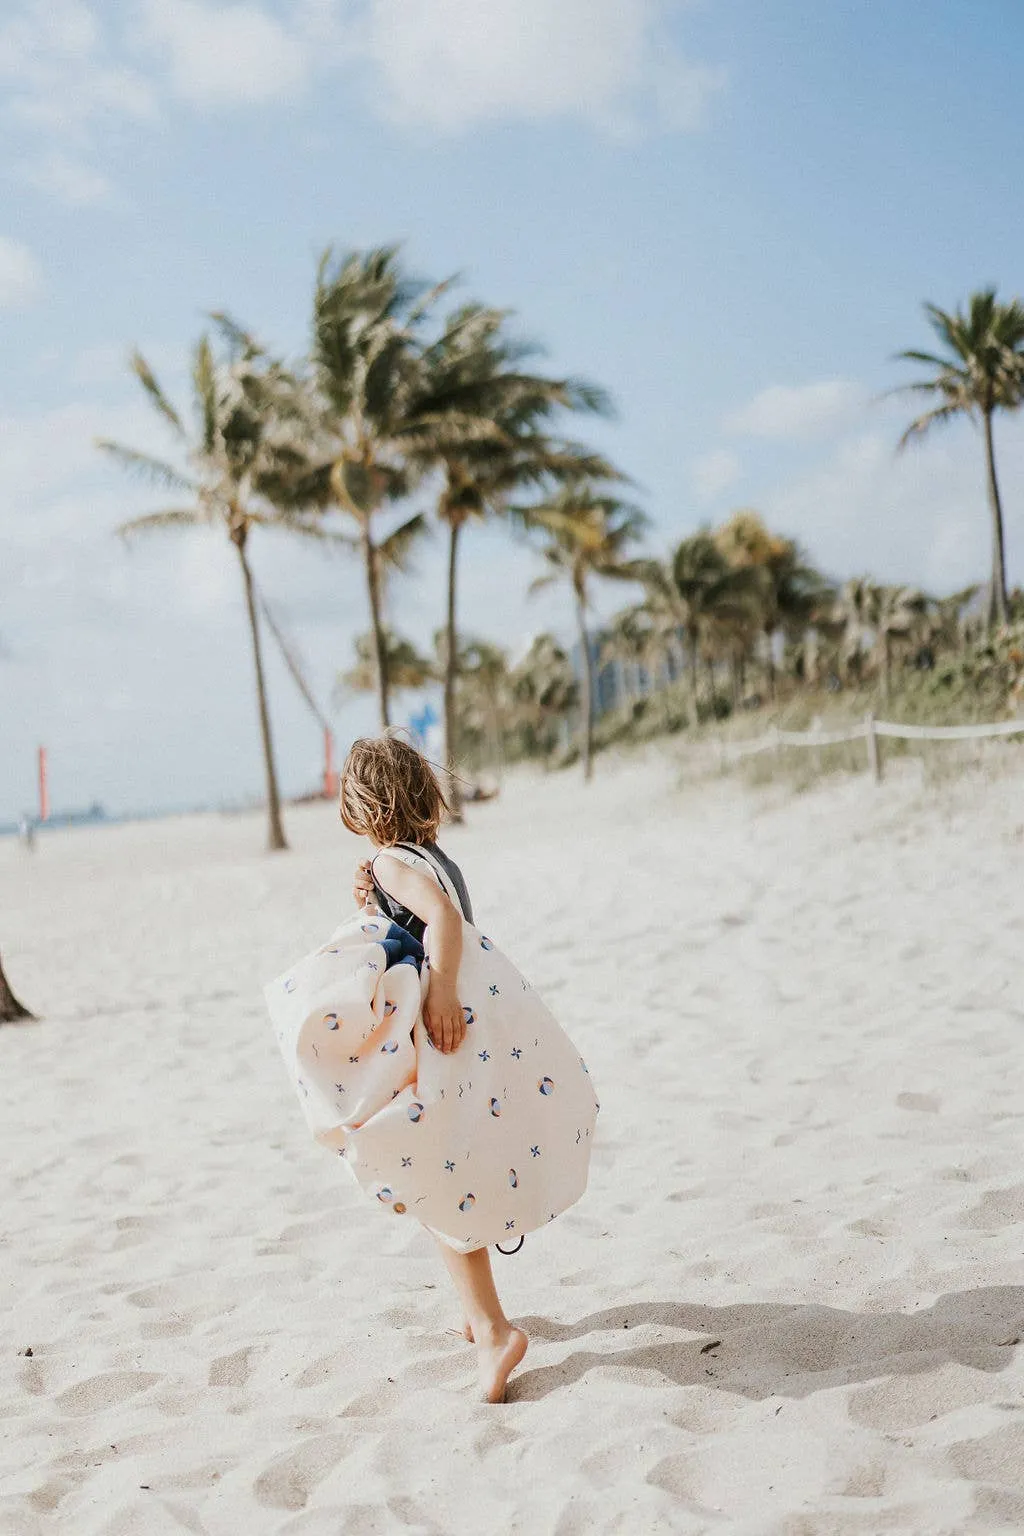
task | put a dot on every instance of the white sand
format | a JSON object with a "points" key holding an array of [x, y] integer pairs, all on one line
{"points": [[788, 1303]]}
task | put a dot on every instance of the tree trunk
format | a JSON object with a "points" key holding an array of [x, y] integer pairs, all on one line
{"points": [[692, 637], [769, 662], [886, 665], [451, 669], [997, 588], [711, 687], [11, 1011], [666, 690], [587, 700], [275, 830], [380, 654], [497, 752]]}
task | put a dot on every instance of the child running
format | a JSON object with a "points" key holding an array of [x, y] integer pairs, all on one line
{"points": [[426, 1061]]}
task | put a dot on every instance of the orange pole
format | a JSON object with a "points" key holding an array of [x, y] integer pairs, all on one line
{"points": [[330, 777], [44, 787]]}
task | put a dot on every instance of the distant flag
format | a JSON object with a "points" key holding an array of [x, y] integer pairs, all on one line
{"points": [[426, 727]]}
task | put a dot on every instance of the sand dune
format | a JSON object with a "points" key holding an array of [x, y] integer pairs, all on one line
{"points": [[789, 1305]]}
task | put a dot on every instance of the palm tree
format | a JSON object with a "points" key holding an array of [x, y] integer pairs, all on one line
{"points": [[490, 439], [643, 639], [588, 533], [373, 413], [786, 587], [979, 371], [11, 1011], [484, 702], [405, 667], [853, 615], [238, 449], [872, 617], [694, 588], [897, 612], [543, 690], [947, 622]]}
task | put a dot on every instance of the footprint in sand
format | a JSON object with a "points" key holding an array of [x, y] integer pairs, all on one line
{"points": [[104, 1391], [996, 1208], [290, 1479], [927, 1102], [232, 1370]]}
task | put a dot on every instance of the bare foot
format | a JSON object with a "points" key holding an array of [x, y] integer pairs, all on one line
{"points": [[467, 1333], [497, 1360]]}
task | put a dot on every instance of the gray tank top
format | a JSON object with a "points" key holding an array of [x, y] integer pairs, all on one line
{"points": [[408, 920]]}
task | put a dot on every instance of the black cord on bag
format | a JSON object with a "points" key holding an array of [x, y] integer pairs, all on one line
{"points": [[508, 1252]]}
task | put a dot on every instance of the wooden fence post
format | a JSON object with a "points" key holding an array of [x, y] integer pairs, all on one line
{"points": [[874, 756]]}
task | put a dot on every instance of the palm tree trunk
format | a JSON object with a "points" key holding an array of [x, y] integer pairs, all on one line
{"points": [[11, 1011], [587, 701], [275, 830], [377, 626], [497, 752], [997, 590], [691, 647], [451, 668]]}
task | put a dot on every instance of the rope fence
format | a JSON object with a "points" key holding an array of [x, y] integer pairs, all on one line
{"points": [[868, 730]]}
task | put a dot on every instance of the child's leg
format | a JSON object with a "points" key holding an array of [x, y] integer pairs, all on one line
{"points": [[499, 1346]]}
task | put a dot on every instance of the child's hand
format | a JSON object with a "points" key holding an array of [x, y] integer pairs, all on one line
{"points": [[443, 1016], [362, 885]]}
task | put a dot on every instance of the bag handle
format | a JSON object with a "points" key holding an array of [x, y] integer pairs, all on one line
{"points": [[445, 880]]}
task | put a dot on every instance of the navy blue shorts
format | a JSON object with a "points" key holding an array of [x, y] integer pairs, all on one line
{"points": [[401, 948]]}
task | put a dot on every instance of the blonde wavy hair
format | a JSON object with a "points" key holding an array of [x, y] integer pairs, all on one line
{"points": [[389, 792]]}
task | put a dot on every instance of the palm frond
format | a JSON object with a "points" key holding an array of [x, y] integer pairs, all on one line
{"points": [[241, 343], [397, 547], [923, 424], [147, 378], [422, 307], [159, 522], [145, 466], [204, 383]]}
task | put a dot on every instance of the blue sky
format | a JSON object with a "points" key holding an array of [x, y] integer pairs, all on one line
{"points": [[729, 213]]}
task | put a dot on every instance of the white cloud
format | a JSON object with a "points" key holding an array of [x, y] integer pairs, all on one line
{"points": [[20, 278], [70, 180], [73, 75], [62, 90], [716, 472], [916, 516], [785, 412], [449, 64], [225, 56]]}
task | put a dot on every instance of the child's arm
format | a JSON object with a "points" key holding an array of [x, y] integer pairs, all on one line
{"points": [[442, 1011]]}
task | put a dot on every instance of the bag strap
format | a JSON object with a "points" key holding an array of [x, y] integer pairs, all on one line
{"points": [[444, 879]]}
